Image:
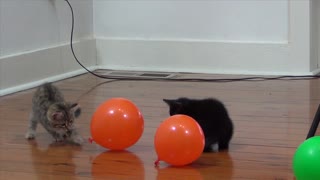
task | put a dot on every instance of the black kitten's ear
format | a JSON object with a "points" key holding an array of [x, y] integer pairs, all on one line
{"points": [[169, 101], [172, 102]]}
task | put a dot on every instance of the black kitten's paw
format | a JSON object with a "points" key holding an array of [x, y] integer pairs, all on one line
{"points": [[211, 148]]}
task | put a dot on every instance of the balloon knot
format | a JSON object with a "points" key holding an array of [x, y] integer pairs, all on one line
{"points": [[90, 140], [156, 163]]}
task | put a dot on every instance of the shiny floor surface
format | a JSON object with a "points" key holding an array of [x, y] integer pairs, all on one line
{"points": [[271, 119]]}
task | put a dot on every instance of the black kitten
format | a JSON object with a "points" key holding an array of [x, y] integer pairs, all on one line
{"points": [[211, 115]]}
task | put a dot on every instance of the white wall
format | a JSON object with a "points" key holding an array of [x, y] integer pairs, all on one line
{"points": [[216, 36], [315, 31], [228, 20], [28, 25], [34, 38], [231, 36]]}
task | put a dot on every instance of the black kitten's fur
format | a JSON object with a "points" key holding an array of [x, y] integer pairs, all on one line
{"points": [[211, 115]]}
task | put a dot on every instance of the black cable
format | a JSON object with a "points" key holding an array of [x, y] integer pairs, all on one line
{"points": [[254, 78], [315, 124], [71, 44]]}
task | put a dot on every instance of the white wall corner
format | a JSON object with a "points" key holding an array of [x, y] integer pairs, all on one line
{"points": [[314, 35], [300, 35]]}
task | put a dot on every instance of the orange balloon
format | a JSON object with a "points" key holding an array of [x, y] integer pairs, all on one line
{"points": [[117, 124], [179, 140]]}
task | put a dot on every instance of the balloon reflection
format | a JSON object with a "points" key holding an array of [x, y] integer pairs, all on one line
{"points": [[179, 173], [117, 165], [208, 166]]}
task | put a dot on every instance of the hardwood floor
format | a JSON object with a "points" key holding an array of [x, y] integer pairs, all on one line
{"points": [[271, 119]]}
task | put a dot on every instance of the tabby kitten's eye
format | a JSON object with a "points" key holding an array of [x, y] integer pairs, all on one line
{"points": [[58, 125]]}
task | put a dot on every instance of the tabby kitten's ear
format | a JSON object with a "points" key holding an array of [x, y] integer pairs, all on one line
{"points": [[76, 109], [73, 105]]}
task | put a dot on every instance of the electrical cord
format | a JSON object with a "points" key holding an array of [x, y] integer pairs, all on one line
{"points": [[254, 78]]}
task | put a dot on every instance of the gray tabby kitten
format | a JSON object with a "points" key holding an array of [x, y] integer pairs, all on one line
{"points": [[54, 114]]}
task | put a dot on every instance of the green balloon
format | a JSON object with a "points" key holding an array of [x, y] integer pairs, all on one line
{"points": [[306, 160]]}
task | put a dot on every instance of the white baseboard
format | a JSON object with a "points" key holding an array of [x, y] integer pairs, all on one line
{"points": [[29, 69], [222, 72], [248, 58], [33, 84]]}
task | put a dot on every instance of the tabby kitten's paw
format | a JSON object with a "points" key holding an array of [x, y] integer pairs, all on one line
{"points": [[30, 135], [78, 140]]}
